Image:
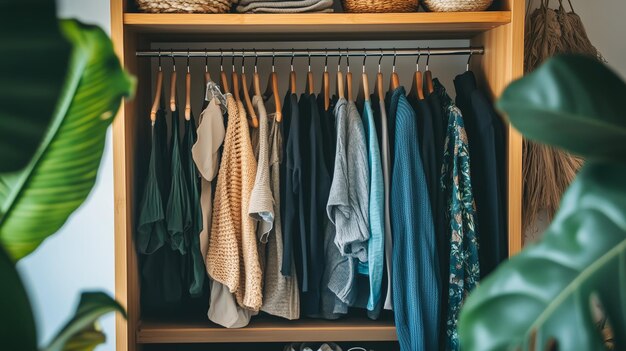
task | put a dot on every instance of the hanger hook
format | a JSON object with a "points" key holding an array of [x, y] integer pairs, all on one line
{"points": [[428, 60], [188, 54], [326, 61], [221, 60], [232, 62], [206, 60], [339, 62], [273, 59], [243, 62], [348, 59], [256, 60], [159, 60], [364, 58], [309, 53], [469, 59], [417, 63], [293, 55], [380, 59], [395, 55], [173, 61]]}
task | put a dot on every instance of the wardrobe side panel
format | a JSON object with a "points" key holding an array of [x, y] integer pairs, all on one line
{"points": [[502, 63], [124, 157]]}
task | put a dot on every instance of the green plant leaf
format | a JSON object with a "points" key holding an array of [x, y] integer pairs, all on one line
{"points": [[32, 74], [573, 102], [37, 201], [80, 333], [17, 324], [548, 287]]}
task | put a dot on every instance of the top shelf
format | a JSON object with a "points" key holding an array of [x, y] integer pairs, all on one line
{"points": [[316, 26]]}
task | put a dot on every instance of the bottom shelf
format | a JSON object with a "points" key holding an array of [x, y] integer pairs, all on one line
{"points": [[267, 329]]}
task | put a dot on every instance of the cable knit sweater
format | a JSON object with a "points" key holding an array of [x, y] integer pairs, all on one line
{"points": [[233, 258]]}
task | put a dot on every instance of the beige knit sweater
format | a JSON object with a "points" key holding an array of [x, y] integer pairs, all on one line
{"points": [[233, 258]]}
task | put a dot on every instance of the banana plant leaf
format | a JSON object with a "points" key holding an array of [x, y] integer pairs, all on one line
{"points": [[81, 332], [36, 202], [32, 75], [17, 325], [546, 293]]}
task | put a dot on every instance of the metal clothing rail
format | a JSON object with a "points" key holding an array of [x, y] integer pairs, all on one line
{"points": [[314, 53]]}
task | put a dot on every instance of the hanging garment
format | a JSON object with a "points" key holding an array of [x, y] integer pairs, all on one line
{"points": [[316, 190], [281, 296], [160, 270], [194, 263], [294, 234], [206, 155], [485, 133], [380, 117], [151, 228], [348, 203], [178, 214], [376, 243], [233, 258], [281, 6], [455, 180], [416, 287], [329, 135]]}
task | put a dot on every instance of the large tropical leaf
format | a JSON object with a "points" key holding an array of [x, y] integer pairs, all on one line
{"points": [[35, 56], [548, 287], [81, 333], [572, 102], [17, 325], [37, 201]]}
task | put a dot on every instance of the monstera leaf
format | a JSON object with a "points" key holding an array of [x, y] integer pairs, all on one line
{"points": [[574, 103], [31, 77], [17, 325], [36, 202], [546, 294], [81, 332]]}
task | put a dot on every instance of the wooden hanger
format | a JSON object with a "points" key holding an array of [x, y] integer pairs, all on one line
{"points": [[272, 90], [157, 93], [428, 76], [207, 75], [417, 90], [379, 81], [340, 83], [235, 80], [292, 75], [310, 86], [349, 79], [326, 84], [365, 85], [246, 95], [173, 86], [188, 91], [394, 80], [223, 77]]}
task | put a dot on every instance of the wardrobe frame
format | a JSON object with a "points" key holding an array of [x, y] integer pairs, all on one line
{"points": [[500, 32]]}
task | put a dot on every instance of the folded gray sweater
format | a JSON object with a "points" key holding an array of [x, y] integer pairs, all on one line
{"points": [[294, 6]]}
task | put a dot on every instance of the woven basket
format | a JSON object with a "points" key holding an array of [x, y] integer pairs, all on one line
{"points": [[379, 6], [184, 6], [457, 5]]}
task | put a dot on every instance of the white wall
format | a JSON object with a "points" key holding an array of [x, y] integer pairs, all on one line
{"points": [[80, 256]]}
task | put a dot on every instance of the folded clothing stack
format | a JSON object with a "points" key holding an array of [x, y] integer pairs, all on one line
{"points": [[281, 6]]}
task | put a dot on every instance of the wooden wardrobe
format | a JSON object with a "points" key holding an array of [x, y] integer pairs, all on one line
{"points": [[501, 33]]}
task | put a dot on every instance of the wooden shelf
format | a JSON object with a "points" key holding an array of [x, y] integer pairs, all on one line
{"points": [[266, 329], [315, 26]]}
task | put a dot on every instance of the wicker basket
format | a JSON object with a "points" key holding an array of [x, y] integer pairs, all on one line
{"points": [[457, 5], [184, 6], [379, 6]]}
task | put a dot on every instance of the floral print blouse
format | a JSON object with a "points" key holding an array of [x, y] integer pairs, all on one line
{"points": [[460, 215]]}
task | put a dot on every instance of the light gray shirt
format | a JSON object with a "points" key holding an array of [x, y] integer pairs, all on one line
{"points": [[348, 202]]}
